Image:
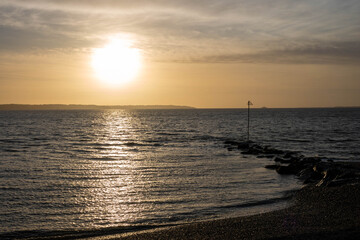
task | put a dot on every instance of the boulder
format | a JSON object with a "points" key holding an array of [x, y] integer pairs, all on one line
{"points": [[282, 160], [320, 167], [329, 175], [251, 151], [272, 166], [230, 142], [243, 145], [288, 154], [286, 170], [311, 160]]}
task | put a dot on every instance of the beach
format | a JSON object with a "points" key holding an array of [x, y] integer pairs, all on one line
{"points": [[315, 213]]}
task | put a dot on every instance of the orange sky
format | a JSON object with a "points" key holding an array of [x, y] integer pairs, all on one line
{"points": [[215, 54]]}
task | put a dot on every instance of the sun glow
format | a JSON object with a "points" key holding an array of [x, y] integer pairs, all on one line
{"points": [[117, 62]]}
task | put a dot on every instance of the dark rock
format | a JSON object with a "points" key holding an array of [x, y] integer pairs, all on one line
{"points": [[273, 166], [306, 173], [243, 145], [317, 170], [309, 176], [282, 160], [266, 156], [256, 149], [230, 142], [313, 178], [251, 152], [321, 167], [273, 151], [286, 170], [295, 159], [277, 159], [329, 175], [312, 160], [288, 154]]}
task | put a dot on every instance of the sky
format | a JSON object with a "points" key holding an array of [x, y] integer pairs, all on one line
{"points": [[200, 53]]}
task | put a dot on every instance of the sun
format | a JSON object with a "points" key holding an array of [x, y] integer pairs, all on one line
{"points": [[117, 62]]}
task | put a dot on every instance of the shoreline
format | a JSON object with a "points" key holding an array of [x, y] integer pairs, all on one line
{"points": [[327, 206], [317, 213], [313, 213]]}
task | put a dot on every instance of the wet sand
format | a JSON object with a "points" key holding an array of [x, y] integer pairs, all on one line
{"points": [[316, 213]]}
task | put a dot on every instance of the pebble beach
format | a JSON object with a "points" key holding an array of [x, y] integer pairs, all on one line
{"points": [[316, 213]]}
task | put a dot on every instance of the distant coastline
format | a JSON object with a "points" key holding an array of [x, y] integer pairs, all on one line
{"points": [[19, 107], [5, 107]]}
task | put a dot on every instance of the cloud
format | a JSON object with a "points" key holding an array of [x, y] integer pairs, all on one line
{"points": [[208, 30], [337, 53]]}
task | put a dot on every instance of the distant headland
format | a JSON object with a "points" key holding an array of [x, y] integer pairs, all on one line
{"points": [[4, 107]]}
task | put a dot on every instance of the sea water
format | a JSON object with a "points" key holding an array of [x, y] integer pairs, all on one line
{"points": [[77, 170]]}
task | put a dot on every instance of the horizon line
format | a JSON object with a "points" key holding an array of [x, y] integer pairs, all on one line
{"points": [[17, 106]]}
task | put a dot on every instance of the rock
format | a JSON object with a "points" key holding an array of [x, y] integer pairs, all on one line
{"points": [[305, 173], [312, 160], [266, 156], [313, 178], [243, 145], [251, 152], [321, 167], [272, 166], [318, 170], [230, 142], [309, 176], [329, 175], [256, 148], [286, 170], [288, 154], [282, 160], [295, 159]]}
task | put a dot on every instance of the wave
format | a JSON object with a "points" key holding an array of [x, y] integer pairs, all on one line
{"points": [[296, 140], [12, 150], [140, 225], [119, 144], [256, 203], [78, 234], [341, 140], [102, 159], [12, 141]]}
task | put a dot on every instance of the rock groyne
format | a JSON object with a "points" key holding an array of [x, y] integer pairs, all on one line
{"points": [[319, 171]]}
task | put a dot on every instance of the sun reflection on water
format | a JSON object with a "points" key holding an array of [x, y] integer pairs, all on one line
{"points": [[113, 172]]}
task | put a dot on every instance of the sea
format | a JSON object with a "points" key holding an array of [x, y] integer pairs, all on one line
{"points": [[73, 171]]}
